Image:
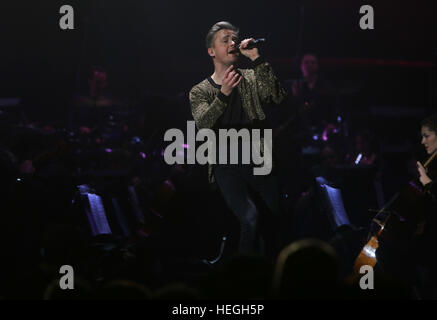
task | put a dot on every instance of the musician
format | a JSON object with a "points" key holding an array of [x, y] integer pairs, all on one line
{"points": [[232, 98], [429, 141], [85, 108], [426, 244], [314, 91], [407, 245], [304, 127]]}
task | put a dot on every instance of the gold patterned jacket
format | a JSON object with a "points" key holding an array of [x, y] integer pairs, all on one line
{"points": [[259, 86]]}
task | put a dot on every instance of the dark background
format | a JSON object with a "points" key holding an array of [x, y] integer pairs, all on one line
{"points": [[156, 49], [158, 46], [154, 52]]}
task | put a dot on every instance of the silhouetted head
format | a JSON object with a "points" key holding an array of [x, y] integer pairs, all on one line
{"points": [[306, 268]]}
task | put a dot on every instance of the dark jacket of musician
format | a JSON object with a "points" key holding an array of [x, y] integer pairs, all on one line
{"points": [[407, 248]]}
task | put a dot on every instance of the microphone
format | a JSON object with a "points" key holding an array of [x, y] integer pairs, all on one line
{"points": [[253, 44]]}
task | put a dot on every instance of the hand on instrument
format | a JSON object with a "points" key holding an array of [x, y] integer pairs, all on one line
{"points": [[231, 79], [424, 179], [253, 53]]}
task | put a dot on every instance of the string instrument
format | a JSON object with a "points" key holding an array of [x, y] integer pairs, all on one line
{"points": [[404, 213]]}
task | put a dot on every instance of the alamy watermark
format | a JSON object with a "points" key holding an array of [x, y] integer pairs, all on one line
{"points": [[256, 147], [67, 20], [367, 280], [367, 21], [67, 280]]}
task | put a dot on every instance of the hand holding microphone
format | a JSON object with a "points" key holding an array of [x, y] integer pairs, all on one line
{"points": [[249, 47]]}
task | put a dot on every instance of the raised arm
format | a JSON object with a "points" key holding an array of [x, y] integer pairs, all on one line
{"points": [[270, 89]]}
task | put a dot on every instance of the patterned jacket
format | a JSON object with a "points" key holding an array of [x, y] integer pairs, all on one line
{"points": [[259, 86]]}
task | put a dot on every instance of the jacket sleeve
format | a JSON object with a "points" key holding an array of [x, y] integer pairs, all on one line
{"points": [[270, 89], [206, 114]]}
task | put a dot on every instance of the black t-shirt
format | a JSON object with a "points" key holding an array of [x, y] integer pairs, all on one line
{"points": [[234, 116]]}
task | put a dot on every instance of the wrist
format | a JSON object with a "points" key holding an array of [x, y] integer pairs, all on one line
{"points": [[223, 97], [254, 57], [226, 93]]}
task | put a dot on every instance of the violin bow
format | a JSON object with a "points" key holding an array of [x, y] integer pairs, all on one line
{"points": [[430, 159]]}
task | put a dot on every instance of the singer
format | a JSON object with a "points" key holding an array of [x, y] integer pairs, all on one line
{"points": [[233, 98]]}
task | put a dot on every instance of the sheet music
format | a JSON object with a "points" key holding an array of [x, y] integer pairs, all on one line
{"points": [[97, 216]]}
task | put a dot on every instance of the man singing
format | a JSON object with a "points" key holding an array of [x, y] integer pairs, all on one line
{"points": [[232, 98]]}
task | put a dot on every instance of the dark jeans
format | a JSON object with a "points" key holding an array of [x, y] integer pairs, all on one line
{"points": [[249, 197]]}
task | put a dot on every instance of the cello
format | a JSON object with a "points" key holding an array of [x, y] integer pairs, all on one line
{"points": [[404, 213]]}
